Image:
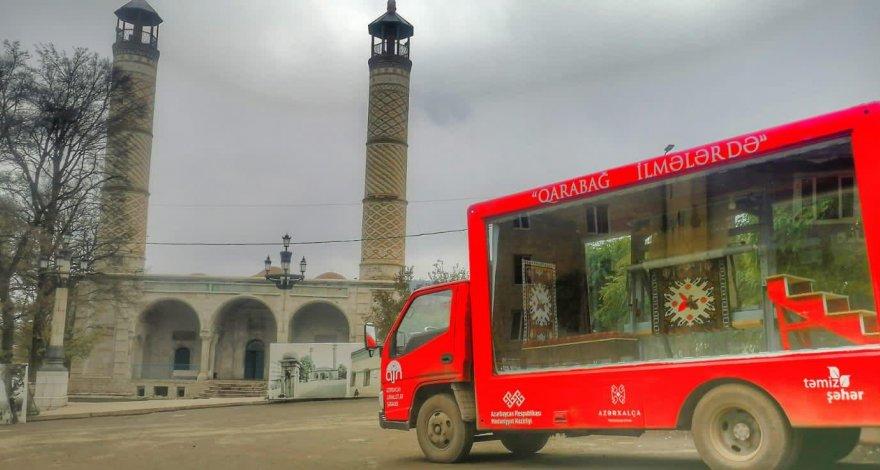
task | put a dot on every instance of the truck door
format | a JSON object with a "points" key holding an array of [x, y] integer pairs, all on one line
{"points": [[421, 351]]}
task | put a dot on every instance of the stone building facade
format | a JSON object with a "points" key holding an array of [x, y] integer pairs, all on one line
{"points": [[187, 331], [178, 335]]}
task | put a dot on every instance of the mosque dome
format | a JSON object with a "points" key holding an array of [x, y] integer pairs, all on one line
{"points": [[330, 275]]}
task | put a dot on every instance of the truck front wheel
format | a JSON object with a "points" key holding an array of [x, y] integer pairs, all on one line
{"points": [[738, 427], [524, 443], [443, 436]]}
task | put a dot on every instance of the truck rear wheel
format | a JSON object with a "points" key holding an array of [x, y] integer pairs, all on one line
{"points": [[737, 427], [524, 443], [443, 435], [827, 445]]}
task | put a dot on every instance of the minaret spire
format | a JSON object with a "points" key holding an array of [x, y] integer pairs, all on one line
{"points": [[384, 218]]}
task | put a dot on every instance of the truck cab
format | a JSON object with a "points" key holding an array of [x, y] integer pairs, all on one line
{"points": [[426, 351]]}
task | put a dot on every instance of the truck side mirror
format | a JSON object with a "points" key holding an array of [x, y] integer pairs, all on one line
{"points": [[370, 341]]}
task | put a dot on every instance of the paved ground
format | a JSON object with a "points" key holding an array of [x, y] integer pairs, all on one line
{"points": [[120, 408], [325, 434]]}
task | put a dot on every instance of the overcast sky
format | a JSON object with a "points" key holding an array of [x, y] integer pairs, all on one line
{"points": [[264, 102]]}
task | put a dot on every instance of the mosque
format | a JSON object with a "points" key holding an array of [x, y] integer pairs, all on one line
{"points": [[203, 335]]}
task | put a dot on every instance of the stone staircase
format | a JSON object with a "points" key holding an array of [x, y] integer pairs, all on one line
{"points": [[799, 309], [235, 388]]}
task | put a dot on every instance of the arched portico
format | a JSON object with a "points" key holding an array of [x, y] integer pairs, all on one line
{"points": [[319, 322], [167, 342], [244, 327]]}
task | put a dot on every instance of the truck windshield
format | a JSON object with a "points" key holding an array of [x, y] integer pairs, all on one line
{"points": [[426, 317], [747, 258]]}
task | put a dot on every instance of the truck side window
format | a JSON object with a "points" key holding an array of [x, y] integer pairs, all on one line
{"points": [[426, 318]]}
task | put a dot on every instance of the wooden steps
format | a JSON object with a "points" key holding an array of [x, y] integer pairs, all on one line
{"points": [[799, 308]]}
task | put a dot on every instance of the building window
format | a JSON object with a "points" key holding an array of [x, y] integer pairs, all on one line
{"points": [[516, 324], [183, 335], [160, 391], [141, 391], [521, 222], [366, 377], [181, 392], [353, 378], [518, 267], [826, 197], [181, 359], [597, 219]]}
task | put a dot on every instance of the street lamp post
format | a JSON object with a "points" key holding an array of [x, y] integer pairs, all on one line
{"points": [[52, 376], [285, 279]]}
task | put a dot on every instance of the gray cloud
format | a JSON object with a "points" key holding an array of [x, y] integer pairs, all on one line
{"points": [[265, 102]]}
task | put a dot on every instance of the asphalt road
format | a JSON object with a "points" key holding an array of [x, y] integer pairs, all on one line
{"points": [[325, 435]]}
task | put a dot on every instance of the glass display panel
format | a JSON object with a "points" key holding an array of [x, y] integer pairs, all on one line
{"points": [[760, 256]]}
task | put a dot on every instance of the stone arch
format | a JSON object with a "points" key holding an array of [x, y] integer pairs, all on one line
{"points": [[238, 323], [319, 322], [163, 328]]}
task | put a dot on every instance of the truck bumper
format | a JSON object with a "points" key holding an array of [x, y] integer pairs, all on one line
{"points": [[399, 425]]}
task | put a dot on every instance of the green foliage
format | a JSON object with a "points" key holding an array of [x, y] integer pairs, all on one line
{"points": [[748, 280], [833, 255], [343, 372], [607, 261], [388, 303], [306, 366]]}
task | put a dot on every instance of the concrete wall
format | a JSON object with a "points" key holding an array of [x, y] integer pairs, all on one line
{"points": [[362, 365]]}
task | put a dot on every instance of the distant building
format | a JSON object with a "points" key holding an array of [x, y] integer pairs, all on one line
{"points": [[364, 374], [324, 373]]}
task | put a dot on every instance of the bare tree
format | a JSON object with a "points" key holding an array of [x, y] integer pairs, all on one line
{"points": [[440, 274], [54, 121]]}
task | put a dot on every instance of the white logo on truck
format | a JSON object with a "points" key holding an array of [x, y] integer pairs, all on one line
{"points": [[515, 398], [510, 417], [618, 394], [393, 372], [836, 386]]}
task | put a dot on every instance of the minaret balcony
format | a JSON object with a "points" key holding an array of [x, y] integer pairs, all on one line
{"points": [[391, 48]]}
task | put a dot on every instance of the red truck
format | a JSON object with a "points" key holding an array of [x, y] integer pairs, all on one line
{"points": [[728, 290]]}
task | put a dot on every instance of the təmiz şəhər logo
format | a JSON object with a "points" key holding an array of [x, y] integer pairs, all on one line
{"points": [[393, 372], [837, 386]]}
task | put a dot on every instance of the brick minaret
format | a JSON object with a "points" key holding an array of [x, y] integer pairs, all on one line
{"points": [[384, 216], [130, 136]]}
